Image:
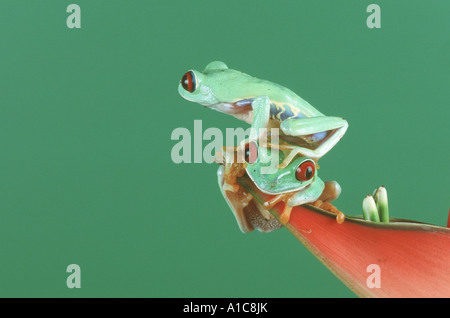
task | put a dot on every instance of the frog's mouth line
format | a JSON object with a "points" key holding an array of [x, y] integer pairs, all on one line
{"points": [[302, 187], [231, 108], [243, 113]]}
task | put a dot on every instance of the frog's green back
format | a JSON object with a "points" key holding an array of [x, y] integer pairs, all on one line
{"points": [[232, 86], [232, 92]]}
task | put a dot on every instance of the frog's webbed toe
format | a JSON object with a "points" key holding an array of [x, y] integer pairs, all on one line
{"points": [[327, 206], [233, 169], [331, 192], [237, 201], [283, 197]]}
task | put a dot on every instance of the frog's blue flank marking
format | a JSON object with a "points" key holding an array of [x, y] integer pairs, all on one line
{"points": [[244, 102], [283, 112], [318, 136]]}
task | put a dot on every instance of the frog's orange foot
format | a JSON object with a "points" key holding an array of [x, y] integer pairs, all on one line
{"points": [[284, 197], [231, 187], [327, 206], [219, 158], [232, 171], [286, 214], [340, 217], [274, 201]]}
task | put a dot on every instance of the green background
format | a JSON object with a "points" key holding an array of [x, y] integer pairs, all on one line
{"points": [[86, 117]]}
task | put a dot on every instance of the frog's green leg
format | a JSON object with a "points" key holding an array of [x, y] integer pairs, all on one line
{"points": [[310, 126], [313, 195], [331, 191], [307, 195], [261, 115], [260, 120]]}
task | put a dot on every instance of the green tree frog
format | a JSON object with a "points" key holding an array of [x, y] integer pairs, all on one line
{"points": [[296, 184], [266, 105]]}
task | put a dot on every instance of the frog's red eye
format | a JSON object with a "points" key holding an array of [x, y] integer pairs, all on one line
{"points": [[305, 170], [251, 152], [188, 81]]}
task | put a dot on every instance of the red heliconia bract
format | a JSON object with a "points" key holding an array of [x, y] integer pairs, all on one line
{"points": [[412, 258]]}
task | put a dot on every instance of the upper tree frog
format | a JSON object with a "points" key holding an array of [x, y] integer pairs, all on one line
{"points": [[267, 105]]}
